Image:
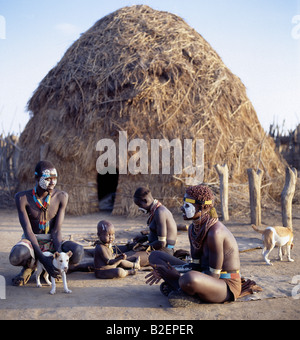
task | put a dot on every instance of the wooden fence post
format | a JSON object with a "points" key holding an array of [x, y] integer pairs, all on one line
{"points": [[287, 197], [222, 171], [255, 179]]}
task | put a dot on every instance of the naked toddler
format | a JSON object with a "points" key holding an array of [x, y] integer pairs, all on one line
{"points": [[107, 264]]}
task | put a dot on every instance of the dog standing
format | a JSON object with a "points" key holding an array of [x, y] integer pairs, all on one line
{"points": [[61, 262], [276, 236]]}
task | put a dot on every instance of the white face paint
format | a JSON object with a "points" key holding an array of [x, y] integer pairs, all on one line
{"points": [[48, 177], [189, 209], [43, 183]]}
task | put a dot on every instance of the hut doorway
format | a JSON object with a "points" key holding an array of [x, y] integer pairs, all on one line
{"points": [[107, 188]]}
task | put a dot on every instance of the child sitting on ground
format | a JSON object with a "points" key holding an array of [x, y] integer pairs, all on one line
{"points": [[107, 264]]}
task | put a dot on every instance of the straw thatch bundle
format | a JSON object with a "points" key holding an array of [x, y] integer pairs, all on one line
{"points": [[147, 73]]}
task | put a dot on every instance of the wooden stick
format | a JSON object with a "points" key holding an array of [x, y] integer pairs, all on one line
{"points": [[222, 171], [255, 179], [287, 197]]}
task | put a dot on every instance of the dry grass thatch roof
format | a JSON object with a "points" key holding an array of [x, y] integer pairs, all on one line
{"points": [[150, 74]]}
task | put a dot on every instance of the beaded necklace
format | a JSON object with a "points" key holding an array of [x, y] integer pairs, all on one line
{"points": [[43, 223]]}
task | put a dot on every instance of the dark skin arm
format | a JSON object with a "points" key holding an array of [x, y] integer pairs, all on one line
{"points": [[160, 219], [56, 232], [103, 257], [117, 260], [21, 202], [215, 241]]}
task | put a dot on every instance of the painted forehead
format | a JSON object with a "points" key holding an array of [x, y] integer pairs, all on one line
{"points": [[187, 197], [190, 199], [103, 227], [48, 173]]}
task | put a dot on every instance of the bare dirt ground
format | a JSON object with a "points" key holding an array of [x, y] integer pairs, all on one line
{"points": [[131, 298]]}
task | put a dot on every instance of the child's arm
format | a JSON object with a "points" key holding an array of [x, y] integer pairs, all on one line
{"points": [[104, 257], [116, 261]]}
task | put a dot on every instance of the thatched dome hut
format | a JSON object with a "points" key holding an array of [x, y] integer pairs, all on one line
{"points": [[150, 74]]}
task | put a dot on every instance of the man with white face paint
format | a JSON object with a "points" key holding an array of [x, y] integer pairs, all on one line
{"points": [[41, 213], [213, 275]]}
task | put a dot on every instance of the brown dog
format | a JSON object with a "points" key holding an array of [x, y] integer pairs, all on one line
{"points": [[276, 236]]}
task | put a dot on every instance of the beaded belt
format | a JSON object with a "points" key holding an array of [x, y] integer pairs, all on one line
{"points": [[235, 274]]}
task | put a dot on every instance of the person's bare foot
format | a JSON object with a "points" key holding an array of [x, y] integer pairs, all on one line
{"points": [[23, 277]]}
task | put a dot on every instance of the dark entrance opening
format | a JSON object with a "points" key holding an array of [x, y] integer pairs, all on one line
{"points": [[107, 188]]}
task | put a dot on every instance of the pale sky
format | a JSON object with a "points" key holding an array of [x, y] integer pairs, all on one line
{"points": [[259, 40]]}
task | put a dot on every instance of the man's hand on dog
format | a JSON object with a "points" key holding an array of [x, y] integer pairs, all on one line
{"points": [[47, 263]]}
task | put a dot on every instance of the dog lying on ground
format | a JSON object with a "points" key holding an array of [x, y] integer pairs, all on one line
{"points": [[276, 236], [61, 262]]}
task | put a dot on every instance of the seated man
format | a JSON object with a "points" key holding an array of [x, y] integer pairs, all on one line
{"points": [[107, 264], [213, 276], [162, 226], [41, 213]]}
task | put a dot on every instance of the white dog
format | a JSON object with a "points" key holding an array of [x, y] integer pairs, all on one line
{"points": [[276, 236], [61, 262]]}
